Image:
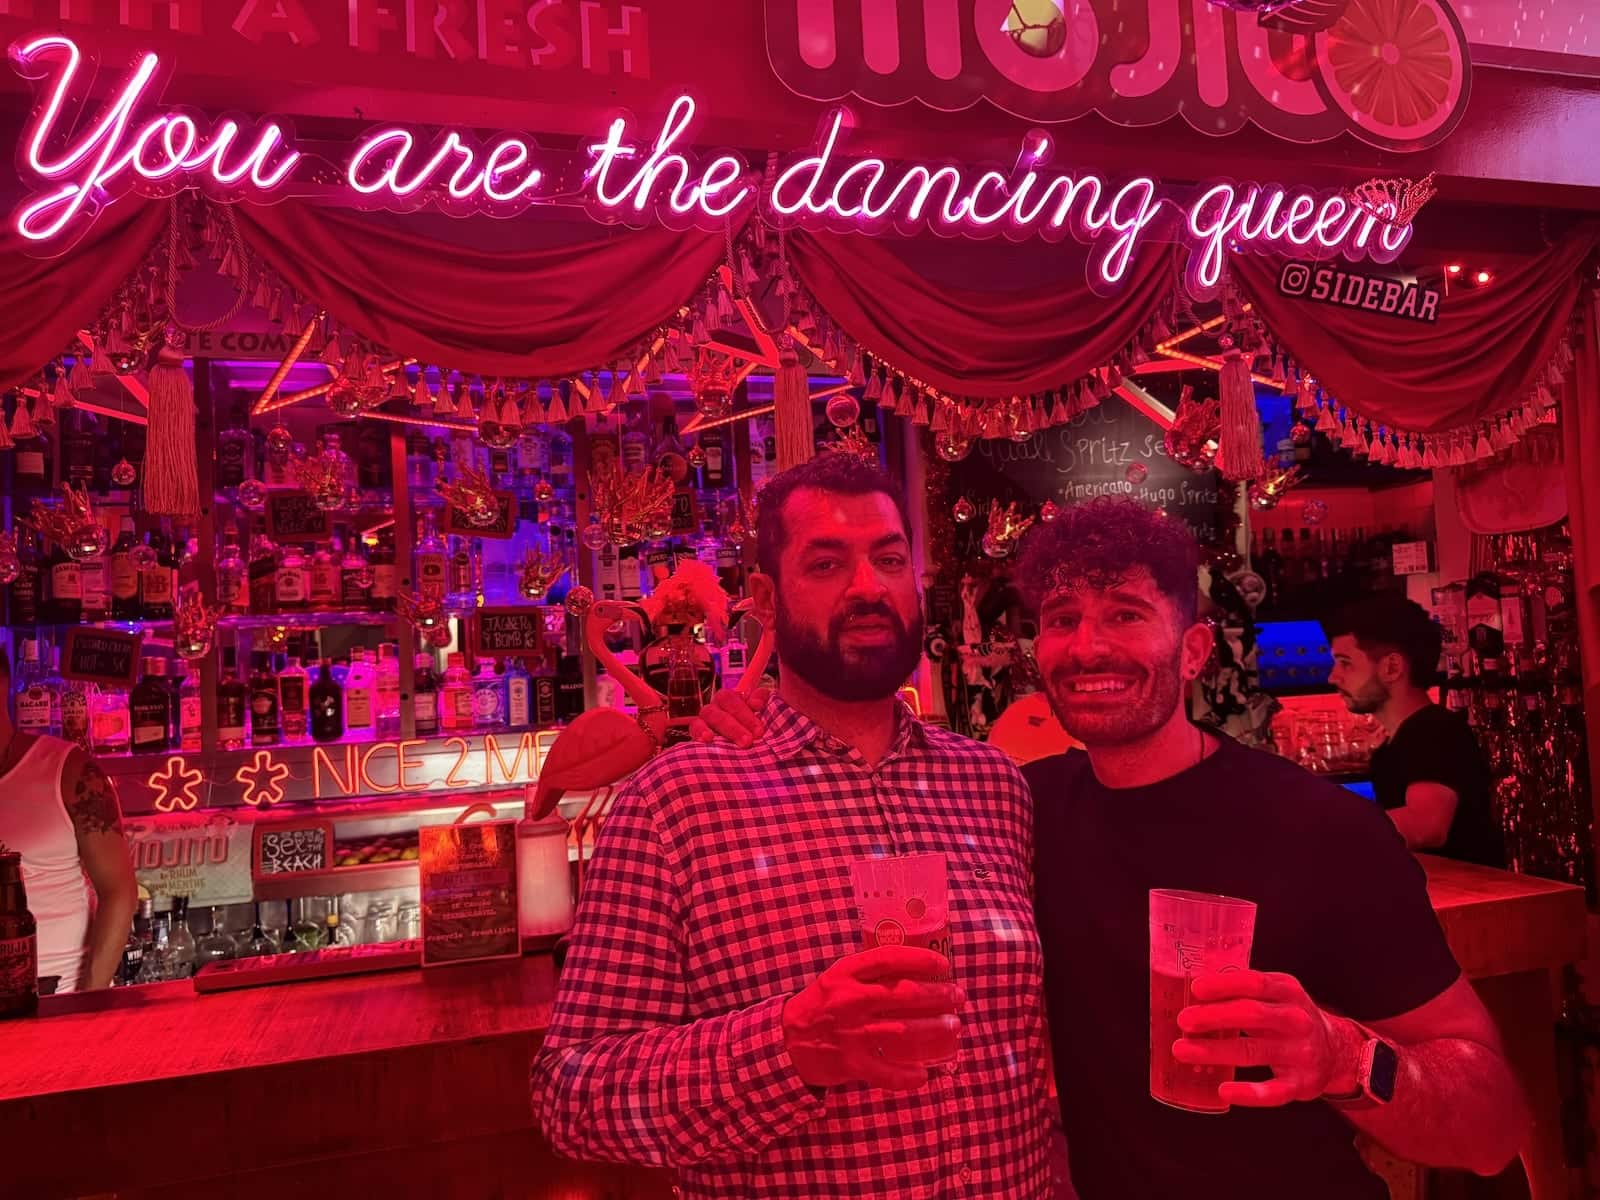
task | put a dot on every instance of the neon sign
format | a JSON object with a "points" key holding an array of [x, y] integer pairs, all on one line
{"points": [[78, 165], [263, 779], [174, 785]]}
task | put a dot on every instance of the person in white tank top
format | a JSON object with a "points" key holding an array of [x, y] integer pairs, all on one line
{"points": [[59, 811]]}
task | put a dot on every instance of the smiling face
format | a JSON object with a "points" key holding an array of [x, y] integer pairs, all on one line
{"points": [[1115, 659], [843, 608]]}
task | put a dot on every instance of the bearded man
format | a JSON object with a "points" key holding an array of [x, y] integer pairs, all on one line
{"points": [[716, 1013]]}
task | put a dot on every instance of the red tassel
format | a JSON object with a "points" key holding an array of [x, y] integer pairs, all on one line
{"points": [[1239, 445], [1326, 422], [791, 409], [22, 426], [556, 414], [171, 476], [81, 378]]}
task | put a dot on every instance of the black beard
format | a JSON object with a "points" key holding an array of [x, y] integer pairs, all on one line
{"points": [[825, 667]]}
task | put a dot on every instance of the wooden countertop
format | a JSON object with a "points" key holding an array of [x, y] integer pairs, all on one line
{"points": [[167, 1031], [1498, 923]]}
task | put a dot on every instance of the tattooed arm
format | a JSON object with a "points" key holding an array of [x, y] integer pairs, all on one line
{"points": [[96, 818]]}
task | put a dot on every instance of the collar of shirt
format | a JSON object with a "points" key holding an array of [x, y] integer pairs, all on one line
{"points": [[789, 731]]}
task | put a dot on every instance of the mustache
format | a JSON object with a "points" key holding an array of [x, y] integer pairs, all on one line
{"points": [[1067, 672], [857, 611]]}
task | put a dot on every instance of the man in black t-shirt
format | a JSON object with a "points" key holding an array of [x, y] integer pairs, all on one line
{"points": [[1355, 1015], [1429, 776]]}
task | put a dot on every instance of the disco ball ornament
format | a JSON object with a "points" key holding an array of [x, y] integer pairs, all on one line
{"points": [[579, 601], [1262, 500], [126, 362], [279, 443], [843, 410], [1037, 27], [193, 644], [1049, 511], [253, 494], [142, 556], [88, 541], [697, 458], [594, 535], [344, 398], [1315, 512], [331, 497], [659, 528], [713, 401], [952, 447], [1300, 435], [544, 491], [498, 436], [673, 465], [438, 637], [1136, 473], [123, 474], [963, 511], [998, 547]]}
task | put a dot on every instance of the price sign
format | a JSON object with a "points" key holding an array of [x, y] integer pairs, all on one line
{"points": [[289, 849], [504, 526], [498, 632], [685, 517], [1411, 558], [101, 656], [295, 517], [469, 892]]}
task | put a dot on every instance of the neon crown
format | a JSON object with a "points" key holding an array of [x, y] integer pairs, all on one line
{"points": [[131, 144]]}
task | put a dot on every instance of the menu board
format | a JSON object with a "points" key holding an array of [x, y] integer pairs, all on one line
{"points": [[518, 632], [504, 526], [1112, 449], [295, 517], [101, 656], [291, 848], [469, 892]]}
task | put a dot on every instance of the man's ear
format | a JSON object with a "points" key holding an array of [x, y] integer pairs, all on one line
{"points": [[1393, 667], [1198, 643], [764, 594]]}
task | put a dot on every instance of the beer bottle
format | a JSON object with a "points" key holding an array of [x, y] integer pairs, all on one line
{"points": [[19, 943]]}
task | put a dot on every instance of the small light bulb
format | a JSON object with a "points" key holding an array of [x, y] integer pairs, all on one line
{"points": [[1484, 277], [1454, 268]]}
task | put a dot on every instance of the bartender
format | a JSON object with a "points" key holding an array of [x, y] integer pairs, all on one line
{"points": [[1429, 774]]}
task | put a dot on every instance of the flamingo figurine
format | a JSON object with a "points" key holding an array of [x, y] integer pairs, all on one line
{"points": [[604, 745]]}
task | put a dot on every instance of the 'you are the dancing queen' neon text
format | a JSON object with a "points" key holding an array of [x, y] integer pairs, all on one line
{"points": [[78, 159]]}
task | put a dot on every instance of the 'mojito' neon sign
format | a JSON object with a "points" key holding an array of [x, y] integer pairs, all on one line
{"points": [[80, 164]]}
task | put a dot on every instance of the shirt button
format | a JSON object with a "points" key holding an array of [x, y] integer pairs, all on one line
{"points": [[966, 1175]]}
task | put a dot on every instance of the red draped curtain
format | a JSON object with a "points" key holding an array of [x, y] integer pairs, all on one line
{"points": [[1580, 424]]}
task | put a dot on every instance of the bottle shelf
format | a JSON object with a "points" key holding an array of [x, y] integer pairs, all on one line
{"points": [[337, 881], [305, 620]]}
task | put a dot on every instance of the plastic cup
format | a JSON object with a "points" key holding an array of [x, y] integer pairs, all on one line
{"points": [[904, 901], [1191, 934]]}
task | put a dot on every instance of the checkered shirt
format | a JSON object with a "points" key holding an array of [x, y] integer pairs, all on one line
{"points": [[721, 887]]}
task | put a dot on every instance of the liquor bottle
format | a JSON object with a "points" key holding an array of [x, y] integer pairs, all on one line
{"points": [[257, 941], [355, 576], [263, 570], [714, 475], [455, 696], [181, 949], [387, 691], [488, 698], [608, 573], [628, 564], [292, 588], [729, 569], [33, 703], [425, 697], [55, 685], [519, 695], [95, 572], [75, 712], [635, 440], [110, 723], [461, 588], [235, 450], [373, 469], [153, 966], [217, 944], [308, 929], [429, 573], [233, 703], [233, 584], [19, 942], [323, 588], [150, 705], [419, 463], [190, 709], [1270, 567], [64, 589], [27, 589], [569, 688], [78, 430], [140, 938], [33, 460], [546, 698], [385, 574], [266, 727], [158, 579], [359, 686], [294, 698], [327, 706]]}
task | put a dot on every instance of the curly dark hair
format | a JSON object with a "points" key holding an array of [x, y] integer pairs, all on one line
{"points": [[1390, 624], [830, 471], [1102, 541]]}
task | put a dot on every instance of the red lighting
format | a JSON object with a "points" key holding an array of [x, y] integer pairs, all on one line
{"points": [[1454, 268], [1484, 277]]}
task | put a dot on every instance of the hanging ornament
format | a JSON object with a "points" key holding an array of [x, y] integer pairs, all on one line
{"points": [[1049, 511], [194, 626], [1314, 512], [963, 511], [544, 491], [472, 494], [630, 504], [853, 442], [537, 573], [252, 494], [1136, 473], [1299, 434], [279, 443], [739, 519], [142, 556], [1006, 527], [1192, 440], [697, 458], [88, 540], [1267, 491], [951, 446], [843, 410], [343, 398], [322, 475], [593, 536], [422, 613], [10, 564], [579, 601], [1037, 27]]}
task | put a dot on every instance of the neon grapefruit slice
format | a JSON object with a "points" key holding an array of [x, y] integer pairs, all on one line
{"points": [[1397, 69]]}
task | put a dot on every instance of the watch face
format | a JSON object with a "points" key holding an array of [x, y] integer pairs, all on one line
{"points": [[1385, 1069]]}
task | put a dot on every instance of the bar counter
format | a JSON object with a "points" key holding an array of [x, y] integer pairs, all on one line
{"points": [[414, 1082]]}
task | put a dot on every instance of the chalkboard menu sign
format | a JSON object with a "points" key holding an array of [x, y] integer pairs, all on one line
{"points": [[684, 517], [288, 849], [1112, 449], [505, 522], [295, 517], [517, 632], [469, 892], [101, 656]]}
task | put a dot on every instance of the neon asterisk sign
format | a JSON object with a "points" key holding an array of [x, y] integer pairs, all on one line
{"points": [[175, 786], [262, 779]]}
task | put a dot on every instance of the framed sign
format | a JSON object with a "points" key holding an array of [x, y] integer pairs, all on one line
{"points": [[295, 517], [469, 892], [289, 848], [497, 632], [1411, 558], [505, 522], [101, 656], [685, 517], [204, 856]]}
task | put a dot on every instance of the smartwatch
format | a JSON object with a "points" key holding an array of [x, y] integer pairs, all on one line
{"points": [[1376, 1073]]}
